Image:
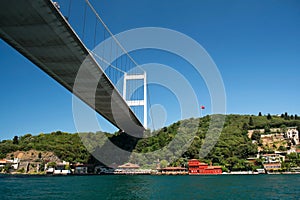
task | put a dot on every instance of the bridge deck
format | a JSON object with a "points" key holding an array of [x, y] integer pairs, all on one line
{"points": [[38, 30]]}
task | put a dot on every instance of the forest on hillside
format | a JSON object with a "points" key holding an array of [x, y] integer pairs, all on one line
{"points": [[173, 145]]}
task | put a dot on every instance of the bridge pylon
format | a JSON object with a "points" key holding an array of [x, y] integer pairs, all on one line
{"points": [[136, 102]]}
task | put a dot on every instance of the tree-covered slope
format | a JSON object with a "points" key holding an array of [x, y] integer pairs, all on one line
{"points": [[174, 144]]}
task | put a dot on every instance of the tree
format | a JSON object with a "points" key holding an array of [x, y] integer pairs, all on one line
{"points": [[282, 148], [51, 165], [267, 129], [6, 168], [16, 140], [245, 126], [40, 155], [255, 136], [269, 117], [283, 128], [22, 170], [286, 116], [259, 114], [67, 167], [251, 121], [163, 164]]}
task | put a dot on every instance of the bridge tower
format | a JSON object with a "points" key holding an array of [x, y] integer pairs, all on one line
{"points": [[136, 102]]}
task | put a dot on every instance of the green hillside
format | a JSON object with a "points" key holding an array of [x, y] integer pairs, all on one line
{"points": [[231, 150], [66, 146]]}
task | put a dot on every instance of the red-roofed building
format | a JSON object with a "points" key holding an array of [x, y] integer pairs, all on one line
{"points": [[5, 162], [196, 167]]}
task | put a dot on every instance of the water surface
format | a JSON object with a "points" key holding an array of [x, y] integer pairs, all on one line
{"points": [[151, 187]]}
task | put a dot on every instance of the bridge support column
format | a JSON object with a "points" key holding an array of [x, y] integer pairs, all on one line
{"points": [[142, 102]]}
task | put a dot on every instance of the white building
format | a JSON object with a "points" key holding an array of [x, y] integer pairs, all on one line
{"points": [[293, 134], [61, 172], [14, 164], [273, 158]]}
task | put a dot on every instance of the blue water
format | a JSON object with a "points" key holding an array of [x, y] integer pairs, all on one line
{"points": [[151, 187]]}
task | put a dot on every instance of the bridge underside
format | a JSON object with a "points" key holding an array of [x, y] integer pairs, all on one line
{"points": [[40, 32]]}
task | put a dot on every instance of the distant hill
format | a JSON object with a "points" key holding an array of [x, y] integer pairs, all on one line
{"points": [[231, 150]]}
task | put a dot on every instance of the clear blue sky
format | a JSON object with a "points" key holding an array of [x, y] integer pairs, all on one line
{"points": [[255, 44]]}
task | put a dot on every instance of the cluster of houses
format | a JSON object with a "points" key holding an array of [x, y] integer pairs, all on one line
{"points": [[81, 169], [66, 168], [272, 162], [125, 169], [288, 139], [277, 135]]}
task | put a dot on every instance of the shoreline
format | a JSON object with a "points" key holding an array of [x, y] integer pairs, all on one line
{"points": [[119, 174]]}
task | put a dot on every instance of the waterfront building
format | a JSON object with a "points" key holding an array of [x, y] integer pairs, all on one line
{"points": [[4, 163], [272, 162], [13, 164], [173, 171], [272, 166], [127, 168], [61, 168], [100, 169], [196, 167], [50, 170], [261, 171], [81, 168], [130, 168], [273, 158]]}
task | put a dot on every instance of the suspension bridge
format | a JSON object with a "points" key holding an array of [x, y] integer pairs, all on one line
{"points": [[42, 33]]}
